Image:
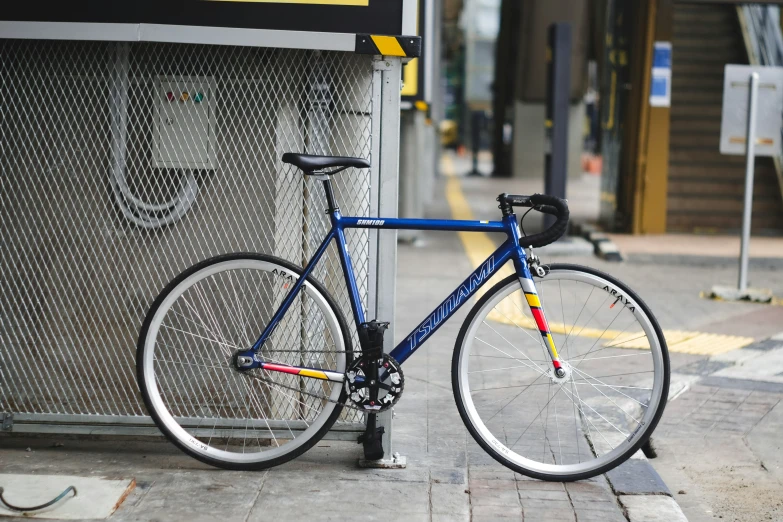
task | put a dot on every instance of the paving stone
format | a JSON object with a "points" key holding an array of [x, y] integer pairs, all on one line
{"points": [[483, 513], [200, 495], [495, 472], [524, 482], [745, 384], [448, 476], [595, 505], [767, 345], [652, 508], [381, 514], [493, 497], [589, 491], [449, 499], [534, 504], [549, 515], [636, 477], [285, 495], [600, 516], [542, 494], [450, 517], [703, 367], [493, 484]]}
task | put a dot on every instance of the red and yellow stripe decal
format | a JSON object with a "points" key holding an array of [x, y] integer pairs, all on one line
{"points": [[538, 314], [304, 372]]}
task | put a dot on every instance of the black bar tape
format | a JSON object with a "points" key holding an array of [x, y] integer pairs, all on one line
{"points": [[548, 205]]}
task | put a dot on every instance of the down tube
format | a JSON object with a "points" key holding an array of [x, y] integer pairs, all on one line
{"points": [[453, 302]]}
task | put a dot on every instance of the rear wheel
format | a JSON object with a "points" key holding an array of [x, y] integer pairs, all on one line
{"points": [[571, 427], [233, 419]]}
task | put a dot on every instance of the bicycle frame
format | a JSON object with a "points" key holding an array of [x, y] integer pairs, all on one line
{"points": [[509, 250]]}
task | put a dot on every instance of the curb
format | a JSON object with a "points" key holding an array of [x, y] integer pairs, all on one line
{"points": [[651, 509], [643, 493], [640, 490], [603, 247]]}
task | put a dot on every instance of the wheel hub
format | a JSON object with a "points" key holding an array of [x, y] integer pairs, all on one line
{"points": [[242, 362], [563, 375]]}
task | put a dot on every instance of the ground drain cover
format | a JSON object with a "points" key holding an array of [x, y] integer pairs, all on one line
{"points": [[95, 497]]}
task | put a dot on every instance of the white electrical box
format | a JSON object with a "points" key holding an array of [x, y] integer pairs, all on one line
{"points": [[184, 122]]}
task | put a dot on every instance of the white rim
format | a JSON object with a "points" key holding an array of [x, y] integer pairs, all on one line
{"points": [[171, 423], [558, 469]]}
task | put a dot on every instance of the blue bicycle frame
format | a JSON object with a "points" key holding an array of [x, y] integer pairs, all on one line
{"points": [[509, 250]]}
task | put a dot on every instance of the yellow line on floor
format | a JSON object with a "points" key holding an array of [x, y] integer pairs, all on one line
{"points": [[478, 246]]}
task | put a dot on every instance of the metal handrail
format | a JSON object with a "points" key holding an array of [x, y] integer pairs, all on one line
{"points": [[766, 39], [764, 43]]}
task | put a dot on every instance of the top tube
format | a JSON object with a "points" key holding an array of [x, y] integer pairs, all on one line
{"points": [[421, 224]]}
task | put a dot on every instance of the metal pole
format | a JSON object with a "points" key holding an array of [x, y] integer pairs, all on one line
{"points": [[557, 106], [386, 268], [476, 125], [750, 160]]}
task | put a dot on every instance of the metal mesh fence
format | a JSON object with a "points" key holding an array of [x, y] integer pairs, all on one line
{"points": [[123, 164]]}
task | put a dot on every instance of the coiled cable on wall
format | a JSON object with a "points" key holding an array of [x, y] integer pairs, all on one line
{"points": [[147, 215], [135, 210]]}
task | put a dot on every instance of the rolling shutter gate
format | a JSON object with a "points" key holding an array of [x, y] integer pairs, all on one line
{"points": [[101, 205], [705, 191]]}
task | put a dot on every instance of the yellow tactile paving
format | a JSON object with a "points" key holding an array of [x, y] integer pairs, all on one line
{"points": [[514, 311]]}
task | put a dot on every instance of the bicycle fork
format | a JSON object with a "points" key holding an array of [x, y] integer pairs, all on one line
{"points": [[534, 302]]}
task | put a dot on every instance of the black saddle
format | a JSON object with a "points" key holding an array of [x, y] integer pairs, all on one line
{"points": [[310, 162]]}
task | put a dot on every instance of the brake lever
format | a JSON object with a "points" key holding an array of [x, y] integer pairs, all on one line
{"points": [[534, 262]]}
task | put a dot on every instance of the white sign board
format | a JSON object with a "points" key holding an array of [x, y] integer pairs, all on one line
{"points": [[769, 116]]}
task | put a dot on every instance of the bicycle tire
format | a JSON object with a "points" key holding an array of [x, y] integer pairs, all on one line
{"points": [[497, 449]]}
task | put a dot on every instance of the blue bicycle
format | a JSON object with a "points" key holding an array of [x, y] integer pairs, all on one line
{"points": [[245, 361]]}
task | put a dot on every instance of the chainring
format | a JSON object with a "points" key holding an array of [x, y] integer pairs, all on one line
{"points": [[390, 384]]}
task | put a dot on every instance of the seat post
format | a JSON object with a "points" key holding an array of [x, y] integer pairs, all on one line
{"points": [[330, 196]]}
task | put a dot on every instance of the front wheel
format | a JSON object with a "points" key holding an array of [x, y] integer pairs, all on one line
{"points": [[581, 424]]}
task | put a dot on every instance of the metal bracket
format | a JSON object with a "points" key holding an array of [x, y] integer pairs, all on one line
{"points": [[396, 462], [7, 421], [379, 63]]}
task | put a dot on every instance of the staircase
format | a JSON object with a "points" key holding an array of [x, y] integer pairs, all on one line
{"points": [[705, 191]]}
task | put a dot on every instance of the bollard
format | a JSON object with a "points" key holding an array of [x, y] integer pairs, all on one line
{"points": [[557, 104]]}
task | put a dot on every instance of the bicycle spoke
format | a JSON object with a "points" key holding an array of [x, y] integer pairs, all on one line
{"points": [[601, 383], [513, 346], [534, 367]]}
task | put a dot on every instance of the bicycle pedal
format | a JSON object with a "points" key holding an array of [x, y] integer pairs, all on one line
{"points": [[371, 337]]}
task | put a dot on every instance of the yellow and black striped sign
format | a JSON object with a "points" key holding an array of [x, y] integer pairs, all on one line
{"points": [[409, 46]]}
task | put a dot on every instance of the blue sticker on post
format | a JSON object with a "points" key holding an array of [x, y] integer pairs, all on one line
{"points": [[661, 77], [662, 55], [660, 86]]}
